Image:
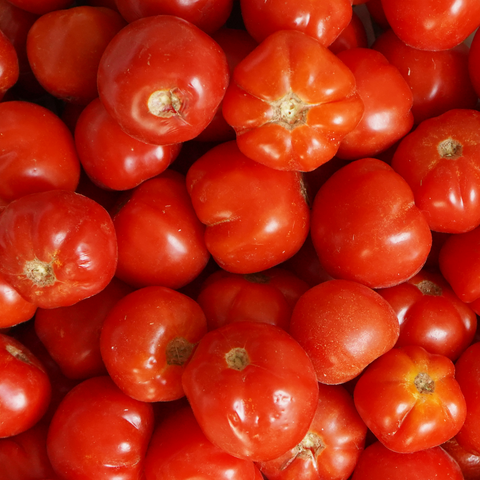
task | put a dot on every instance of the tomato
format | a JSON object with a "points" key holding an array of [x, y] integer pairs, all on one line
{"points": [[387, 99], [332, 446], [113, 159], [169, 86], [354, 35], [25, 388], [378, 463], [41, 7], [432, 24], [366, 227], [99, 432], [29, 161], [9, 68], [474, 62], [322, 20], [468, 377], [57, 247], [468, 462], [222, 383], [339, 349], [64, 49], [147, 339], [291, 101], [256, 217], [410, 399], [160, 239], [179, 437], [435, 90], [439, 160]]}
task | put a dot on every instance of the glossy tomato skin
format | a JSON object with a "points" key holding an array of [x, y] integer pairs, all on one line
{"points": [[291, 101], [147, 340], [222, 380], [160, 239], [366, 227], [440, 160], [57, 247], [410, 399], [474, 63], [25, 389], [29, 161], [468, 462], [468, 377], [179, 437], [434, 24], [256, 217], [322, 20], [435, 90], [9, 68], [385, 95], [99, 432], [113, 159], [64, 49], [378, 463], [353, 36], [332, 446], [343, 326], [169, 86]]}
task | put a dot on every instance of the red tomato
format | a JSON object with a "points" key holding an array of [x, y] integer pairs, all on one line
{"points": [[440, 161], [9, 68], [379, 463], [432, 24], [474, 62], [323, 20], [366, 227], [256, 217], [57, 247], [468, 377], [354, 35], [64, 49], [41, 7], [180, 450], [388, 102], [429, 74], [339, 349], [147, 339], [332, 446], [30, 161], [468, 462], [291, 101], [253, 402], [113, 159], [160, 239], [410, 399], [25, 388], [99, 432], [169, 86]]}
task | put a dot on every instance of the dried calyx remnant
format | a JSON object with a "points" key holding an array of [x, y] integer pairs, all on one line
{"points": [[178, 351], [39, 273], [290, 111], [237, 358], [424, 383], [428, 287], [165, 103], [17, 353], [310, 447], [450, 148]]}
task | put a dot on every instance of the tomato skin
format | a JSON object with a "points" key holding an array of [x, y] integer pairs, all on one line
{"points": [[440, 161], [366, 227], [468, 462], [322, 323], [9, 68], [57, 247], [354, 35], [291, 101], [29, 161], [410, 399], [222, 380], [99, 432], [148, 338], [169, 86], [379, 463], [41, 7], [474, 62], [25, 388], [111, 158], [178, 437], [160, 239], [256, 217], [386, 95]]}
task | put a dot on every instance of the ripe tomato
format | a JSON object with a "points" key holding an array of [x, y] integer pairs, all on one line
{"points": [[410, 399], [9, 68], [353, 36], [291, 101], [169, 86], [468, 462], [57, 247], [256, 217], [253, 402], [474, 62]]}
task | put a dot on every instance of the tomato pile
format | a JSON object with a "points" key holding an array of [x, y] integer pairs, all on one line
{"points": [[239, 240]]}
